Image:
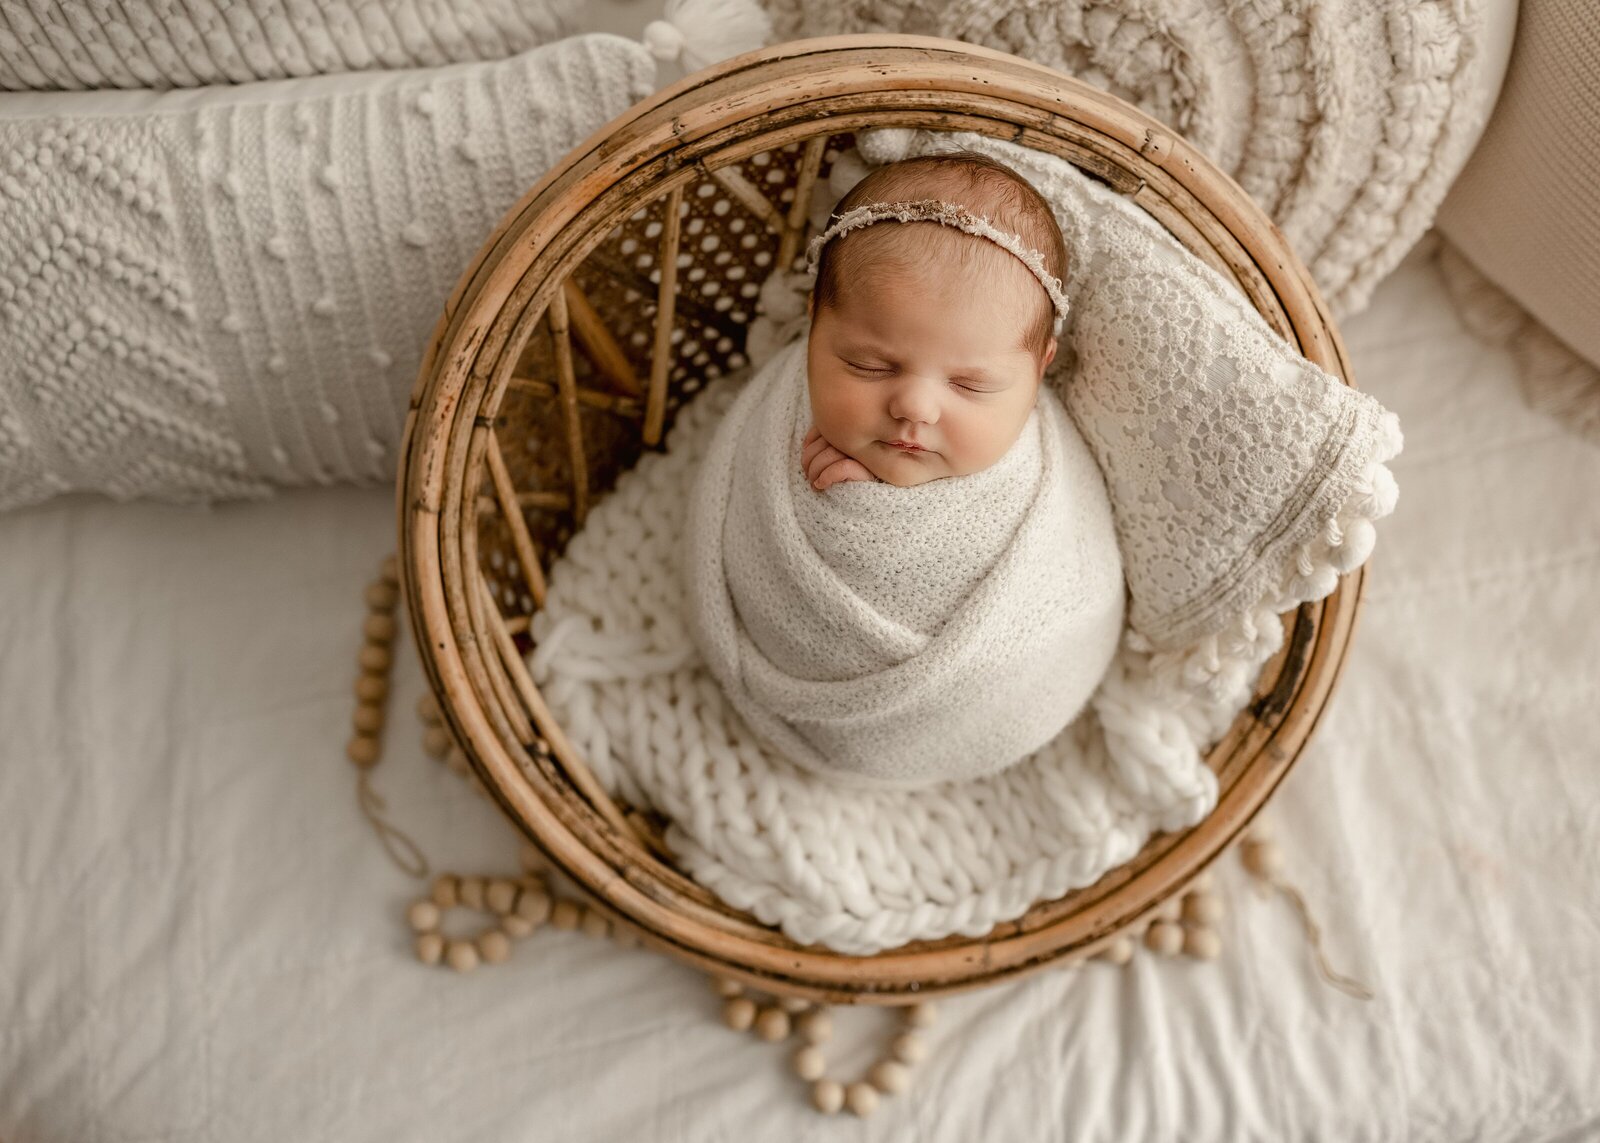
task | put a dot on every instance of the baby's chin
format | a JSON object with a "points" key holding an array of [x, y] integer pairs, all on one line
{"points": [[903, 470]]}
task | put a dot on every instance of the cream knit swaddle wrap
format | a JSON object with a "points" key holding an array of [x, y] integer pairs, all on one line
{"points": [[900, 636]]}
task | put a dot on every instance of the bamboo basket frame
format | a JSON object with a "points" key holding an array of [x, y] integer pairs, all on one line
{"points": [[460, 505]]}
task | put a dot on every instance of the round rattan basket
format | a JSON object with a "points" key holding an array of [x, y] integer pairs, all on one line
{"points": [[605, 299]]}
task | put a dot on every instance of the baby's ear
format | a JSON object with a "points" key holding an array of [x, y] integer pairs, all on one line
{"points": [[1049, 355]]}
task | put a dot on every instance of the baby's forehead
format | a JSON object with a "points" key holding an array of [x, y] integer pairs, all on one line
{"points": [[909, 257]]}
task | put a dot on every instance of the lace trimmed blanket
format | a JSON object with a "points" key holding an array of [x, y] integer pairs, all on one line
{"points": [[1244, 479]]}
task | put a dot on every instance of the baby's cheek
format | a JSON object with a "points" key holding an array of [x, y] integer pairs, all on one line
{"points": [[840, 419]]}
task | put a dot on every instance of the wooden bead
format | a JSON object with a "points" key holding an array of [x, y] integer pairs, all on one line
{"points": [[378, 628], [423, 916], [532, 859], [363, 750], [470, 891], [1119, 951], [501, 895], [389, 570], [889, 1076], [727, 987], [624, 937], [455, 760], [815, 1026], [428, 708], [1202, 943], [475, 784], [1262, 858], [1164, 937], [595, 924], [1204, 882], [446, 890], [809, 1063], [515, 926], [861, 1098], [382, 596], [368, 718], [430, 948], [921, 1016], [494, 946], [372, 688], [793, 1004], [533, 906], [565, 915], [374, 660], [827, 1096], [436, 740], [461, 955], [739, 1013], [772, 1024], [908, 1048], [1201, 908]]}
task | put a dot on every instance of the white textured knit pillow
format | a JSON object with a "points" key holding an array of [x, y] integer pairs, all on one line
{"points": [[1344, 119], [62, 45], [206, 293]]}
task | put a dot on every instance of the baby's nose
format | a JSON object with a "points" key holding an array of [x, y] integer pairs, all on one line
{"points": [[914, 399]]}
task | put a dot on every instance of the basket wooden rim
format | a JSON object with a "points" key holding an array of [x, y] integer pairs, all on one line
{"points": [[660, 144]]}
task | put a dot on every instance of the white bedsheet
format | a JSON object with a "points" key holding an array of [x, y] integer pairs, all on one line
{"points": [[200, 939]]}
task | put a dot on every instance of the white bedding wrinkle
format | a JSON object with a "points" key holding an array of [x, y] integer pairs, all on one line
{"points": [[204, 941]]}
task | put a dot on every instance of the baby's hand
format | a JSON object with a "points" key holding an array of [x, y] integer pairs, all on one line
{"points": [[826, 466]]}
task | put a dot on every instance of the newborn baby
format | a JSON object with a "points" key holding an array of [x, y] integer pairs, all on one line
{"points": [[900, 557]]}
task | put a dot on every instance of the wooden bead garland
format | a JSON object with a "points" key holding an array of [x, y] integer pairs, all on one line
{"points": [[519, 906], [1263, 860], [375, 659], [888, 1075]]}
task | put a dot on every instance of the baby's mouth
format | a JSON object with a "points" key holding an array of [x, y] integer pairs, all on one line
{"points": [[905, 446]]}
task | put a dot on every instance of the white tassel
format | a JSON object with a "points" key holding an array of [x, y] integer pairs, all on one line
{"points": [[1379, 497], [1359, 539], [783, 294], [698, 33], [1390, 440], [848, 170], [1315, 584], [886, 144]]}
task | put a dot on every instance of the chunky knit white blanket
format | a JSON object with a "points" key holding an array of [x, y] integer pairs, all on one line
{"points": [[1243, 480], [892, 636]]}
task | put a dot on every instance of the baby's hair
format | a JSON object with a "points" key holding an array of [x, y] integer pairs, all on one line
{"points": [[968, 178]]}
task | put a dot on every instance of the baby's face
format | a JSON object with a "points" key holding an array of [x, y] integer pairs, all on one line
{"points": [[939, 365]]}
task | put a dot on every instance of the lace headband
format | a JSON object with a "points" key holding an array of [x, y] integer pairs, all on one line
{"points": [[945, 214]]}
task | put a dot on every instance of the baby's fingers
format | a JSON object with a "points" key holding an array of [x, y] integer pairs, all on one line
{"points": [[839, 471], [820, 459], [813, 447]]}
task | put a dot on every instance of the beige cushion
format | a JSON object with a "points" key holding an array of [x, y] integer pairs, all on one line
{"points": [[67, 45], [1525, 210], [205, 294]]}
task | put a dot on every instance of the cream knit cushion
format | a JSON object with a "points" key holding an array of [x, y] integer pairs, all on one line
{"points": [[206, 293], [69, 45], [1345, 119], [1525, 212]]}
